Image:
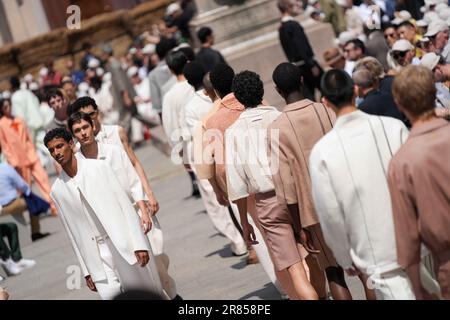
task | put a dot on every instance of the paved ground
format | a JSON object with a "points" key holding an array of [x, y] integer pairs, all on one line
{"points": [[201, 261]]}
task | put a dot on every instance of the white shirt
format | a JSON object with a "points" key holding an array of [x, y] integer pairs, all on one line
{"points": [[173, 105], [349, 66], [198, 107], [145, 109], [105, 102], [109, 134], [348, 168], [246, 153]]}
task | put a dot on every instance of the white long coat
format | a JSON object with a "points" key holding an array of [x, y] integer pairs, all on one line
{"points": [[348, 168], [97, 183], [117, 158]]}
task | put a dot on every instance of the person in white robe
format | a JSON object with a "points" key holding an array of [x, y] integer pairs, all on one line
{"points": [[348, 169], [101, 223], [196, 108], [82, 128]]}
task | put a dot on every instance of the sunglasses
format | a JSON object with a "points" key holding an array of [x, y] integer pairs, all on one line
{"points": [[389, 35], [399, 54], [91, 114]]}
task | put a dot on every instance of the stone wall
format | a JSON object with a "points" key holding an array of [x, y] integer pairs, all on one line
{"points": [[118, 28]]}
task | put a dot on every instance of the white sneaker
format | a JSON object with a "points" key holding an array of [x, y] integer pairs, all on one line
{"points": [[26, 263], [239, 249], [10, 267]]}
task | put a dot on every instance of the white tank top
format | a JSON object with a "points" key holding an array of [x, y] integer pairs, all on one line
{"points": [[109, 134]]}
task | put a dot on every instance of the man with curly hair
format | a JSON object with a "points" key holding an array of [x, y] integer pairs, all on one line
{"points": [[248, 173]]}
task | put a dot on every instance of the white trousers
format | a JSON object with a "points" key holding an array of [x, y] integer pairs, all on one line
{"points": [[155, 236], [220, 216], [121, 276], [261, 251], [394, 285]]}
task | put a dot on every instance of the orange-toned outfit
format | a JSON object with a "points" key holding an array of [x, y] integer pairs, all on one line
{"points": [[20, 152]]}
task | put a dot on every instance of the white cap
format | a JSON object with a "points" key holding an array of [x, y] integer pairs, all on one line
{"points": [[424, 39], [83, 87], [436, 26], [430, 60], [149, 49], [429, 3], [421, 23], [440, 7], [6, 94], [402, 16], [28, 77], [344, 37], [43, 72], [402, 45], [107, 77], [33, 86], [100, 72], [93, 63], [132, 71], [342, 3], [430, 16], [445, 14], [132, 50], [172, 8]]}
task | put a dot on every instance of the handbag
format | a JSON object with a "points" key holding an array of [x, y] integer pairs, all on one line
{"points": [[35, 204]]}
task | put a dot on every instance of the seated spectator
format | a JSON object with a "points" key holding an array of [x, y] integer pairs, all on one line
{"points": [[143, 99], [76, 75], [376, 68], [11, 202], [69, 89], [376, 45], [390, 34], [87, 56], [402, 54], [178, 20], [354, 50], [53, 77], [372, 100], [11, 257], [334, 59], [407, 30], [438, 34], [441, 71]]}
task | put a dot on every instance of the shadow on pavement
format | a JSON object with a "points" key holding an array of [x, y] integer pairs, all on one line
{"points": [[268, 292]]}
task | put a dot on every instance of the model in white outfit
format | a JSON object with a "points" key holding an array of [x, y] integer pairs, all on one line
{"points": [[198, 107], [109, 134], [96, 210], [348, 170]]}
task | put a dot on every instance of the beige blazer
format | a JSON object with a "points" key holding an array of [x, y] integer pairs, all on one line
{"points": [[299, 127]]}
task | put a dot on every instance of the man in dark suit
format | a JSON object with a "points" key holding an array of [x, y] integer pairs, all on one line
{"points": [[297, 48], [374, 101]]}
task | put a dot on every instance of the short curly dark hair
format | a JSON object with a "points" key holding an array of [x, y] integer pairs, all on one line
{"points": [[248, 88], [221, 77], [57, 133]]}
